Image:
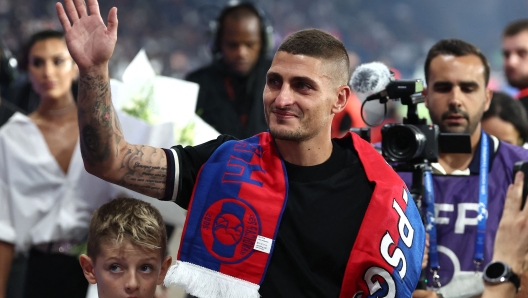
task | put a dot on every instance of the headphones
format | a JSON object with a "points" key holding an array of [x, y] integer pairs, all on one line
{"points": [[8, 66], [215, 29]]}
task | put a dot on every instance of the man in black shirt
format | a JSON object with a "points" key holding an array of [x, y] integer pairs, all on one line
{"points": [[230, 96], [289, 213]]}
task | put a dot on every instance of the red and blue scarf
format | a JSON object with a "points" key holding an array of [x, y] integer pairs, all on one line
{"points": [[240, 195]]}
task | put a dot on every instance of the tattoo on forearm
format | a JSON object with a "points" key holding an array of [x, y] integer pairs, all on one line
{"points": [[96, 84], [96, 109], [101, 133], [97, 133], [91, 146], [118, 135], [98, 88], [153, 175], [142, 170], [91, 138], [106, 115], [142, 186]]}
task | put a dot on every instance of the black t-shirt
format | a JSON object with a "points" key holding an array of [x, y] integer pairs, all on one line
{"points": [[326, 205]]}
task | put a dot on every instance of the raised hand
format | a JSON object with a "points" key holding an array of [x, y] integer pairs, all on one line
{"points": [[90, 42], [106, 154], [511, 242]]}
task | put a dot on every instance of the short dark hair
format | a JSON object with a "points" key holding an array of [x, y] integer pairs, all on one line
{"points": [[515, 28], [510, 110], [39, 36], [319, 44], [127, 219], [457, 48]]}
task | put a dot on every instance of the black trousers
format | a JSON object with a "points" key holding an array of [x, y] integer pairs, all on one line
{"points": [[17, 277], [54, 275]]}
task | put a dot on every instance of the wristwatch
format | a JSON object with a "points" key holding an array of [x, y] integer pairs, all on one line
{"points": [[498, 272]]}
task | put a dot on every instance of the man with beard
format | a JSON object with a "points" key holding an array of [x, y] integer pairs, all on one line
{"points": [[515, 52], [230, 96], [285, 213], [457, 74]]}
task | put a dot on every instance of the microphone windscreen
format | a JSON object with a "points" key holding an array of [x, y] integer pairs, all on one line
{"points": [[370, 78]]}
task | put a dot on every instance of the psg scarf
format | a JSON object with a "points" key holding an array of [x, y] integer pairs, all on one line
{"points": [[235, 212]]}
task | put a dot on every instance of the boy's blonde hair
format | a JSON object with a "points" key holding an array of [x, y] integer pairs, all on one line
{"points": [[127, 219]]}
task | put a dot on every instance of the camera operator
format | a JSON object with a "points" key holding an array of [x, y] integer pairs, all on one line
{"points": [[457, 74]]}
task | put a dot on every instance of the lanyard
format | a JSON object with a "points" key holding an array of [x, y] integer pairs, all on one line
{"points": [[483, 200], [482, 213]]}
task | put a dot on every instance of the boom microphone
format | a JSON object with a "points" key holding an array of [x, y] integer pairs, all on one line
{"points": [[374, 80], [370, 78]]}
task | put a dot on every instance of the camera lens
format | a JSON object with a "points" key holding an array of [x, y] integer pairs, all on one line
{"points": [[402, 142]]}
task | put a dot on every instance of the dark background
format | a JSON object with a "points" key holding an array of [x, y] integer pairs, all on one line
{"points": [[174, 33]]}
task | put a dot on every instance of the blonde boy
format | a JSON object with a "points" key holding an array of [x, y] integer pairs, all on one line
{"points": [[127, 248]]}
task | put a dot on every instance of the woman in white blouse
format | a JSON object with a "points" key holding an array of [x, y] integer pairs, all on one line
{"points": [[46, 196]]}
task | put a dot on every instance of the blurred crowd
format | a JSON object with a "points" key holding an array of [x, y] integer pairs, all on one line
{"points": [[175, 35]]}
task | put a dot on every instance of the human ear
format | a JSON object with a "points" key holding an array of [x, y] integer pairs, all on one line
{"points": [[343, 93], [489, 95], [87, 266], [167, 262]]}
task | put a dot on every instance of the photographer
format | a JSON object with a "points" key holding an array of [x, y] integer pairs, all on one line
{"points": [[457, 74]]}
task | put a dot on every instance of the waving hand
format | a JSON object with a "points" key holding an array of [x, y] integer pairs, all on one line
{"points": [[90, 42], [106, 154]]}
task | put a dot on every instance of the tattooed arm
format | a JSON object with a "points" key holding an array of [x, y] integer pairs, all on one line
{"points": [[105, 152]]}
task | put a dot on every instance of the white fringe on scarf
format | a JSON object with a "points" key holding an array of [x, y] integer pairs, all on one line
{"points": [[206, 283]]}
